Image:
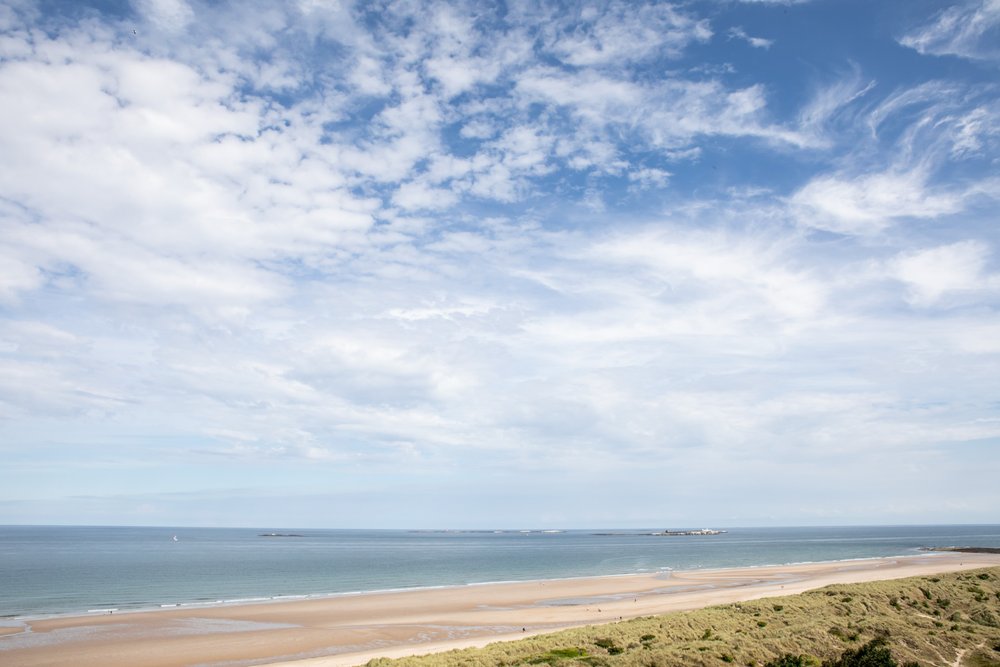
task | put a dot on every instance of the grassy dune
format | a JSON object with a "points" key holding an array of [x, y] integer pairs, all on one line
{"points": [[950, 619]]}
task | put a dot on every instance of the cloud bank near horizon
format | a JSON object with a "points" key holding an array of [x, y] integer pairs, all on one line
{"points": [[448, 263]]}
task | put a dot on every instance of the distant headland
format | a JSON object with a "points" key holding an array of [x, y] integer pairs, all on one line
{"points": [[965, 550]]}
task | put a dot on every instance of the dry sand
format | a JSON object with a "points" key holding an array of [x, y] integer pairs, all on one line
{"points": [[350, 630]]}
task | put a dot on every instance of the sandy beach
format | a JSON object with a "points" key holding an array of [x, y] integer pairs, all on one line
{"points": [[352, 629]]}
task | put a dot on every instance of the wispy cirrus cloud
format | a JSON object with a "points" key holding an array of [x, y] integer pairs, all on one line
{"points": [[902, 146], [966, 29], [756, 42], [868, 204]]}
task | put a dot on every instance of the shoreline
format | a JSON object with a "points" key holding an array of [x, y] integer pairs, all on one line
{"points": [[279, 599], [352, 629]]}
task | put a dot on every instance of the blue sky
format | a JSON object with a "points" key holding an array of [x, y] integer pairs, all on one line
{"points": [[487, 264]]}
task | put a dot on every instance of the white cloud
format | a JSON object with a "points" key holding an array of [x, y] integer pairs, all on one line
{"points": [[896, 155], [591, 95], [333, 19], [625, 32], [182, 162], [479, 128], [713, 262], [869, 204], [369, 77], [170, 15], [976, 337], [976, 131], [16, 275], [818, 119], [945, 122], [756, 42], [649, 177], [969, 29], [933, 273], [452, 63], [668, 115], [418, 196]]}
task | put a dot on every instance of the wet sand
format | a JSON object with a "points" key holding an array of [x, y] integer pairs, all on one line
{"points": [[352, 629]]}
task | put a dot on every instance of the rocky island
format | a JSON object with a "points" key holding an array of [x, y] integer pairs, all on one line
{"points": [[703, 531]]}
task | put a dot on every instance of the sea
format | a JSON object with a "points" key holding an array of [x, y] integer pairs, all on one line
{"points": [[62, 570]]}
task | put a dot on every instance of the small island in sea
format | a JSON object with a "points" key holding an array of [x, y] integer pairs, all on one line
{"points": [[702, 531], [668, 532]]}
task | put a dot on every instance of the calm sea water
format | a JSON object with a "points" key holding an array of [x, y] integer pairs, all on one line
{"points": [[66, 570]]}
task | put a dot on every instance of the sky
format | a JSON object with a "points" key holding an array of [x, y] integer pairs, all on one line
{"points": [[521, 264]]}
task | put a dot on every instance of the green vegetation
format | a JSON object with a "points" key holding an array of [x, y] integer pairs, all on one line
{"points": [[873, 654], [608, 645], [848, 635], [789, 660], [558, 655], [879, 624]]}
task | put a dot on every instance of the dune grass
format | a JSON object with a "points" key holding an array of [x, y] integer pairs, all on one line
{"points": [[948, 620]]}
